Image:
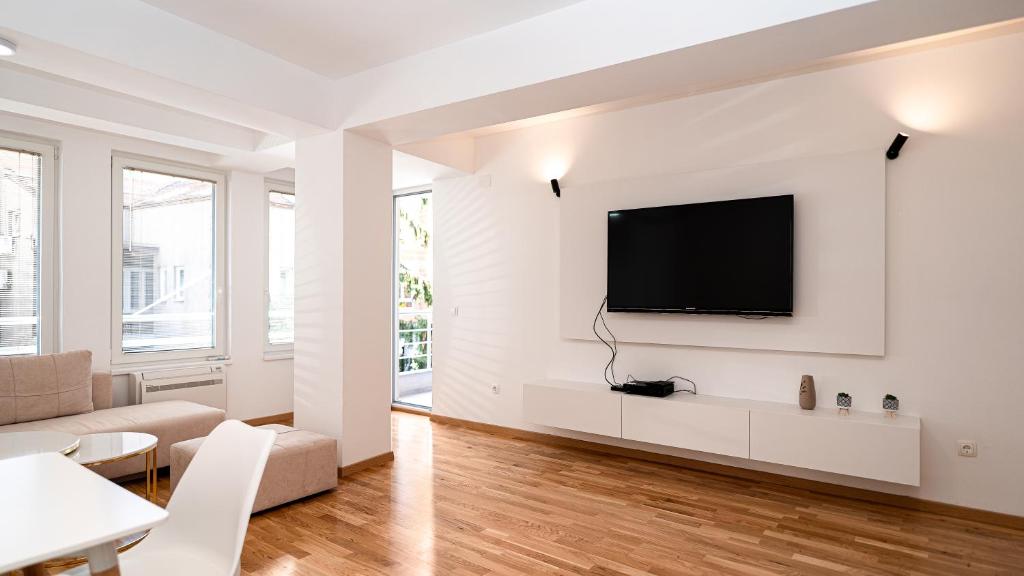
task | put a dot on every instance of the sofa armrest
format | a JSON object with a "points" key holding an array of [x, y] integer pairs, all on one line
{"points": [[102, 390]]}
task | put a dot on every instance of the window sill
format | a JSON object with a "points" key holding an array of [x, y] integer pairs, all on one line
{"points": [[125, 369]]}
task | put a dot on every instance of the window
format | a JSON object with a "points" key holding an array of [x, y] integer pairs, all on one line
{"points": [[168, 220], [280, 272], [27, 247]]}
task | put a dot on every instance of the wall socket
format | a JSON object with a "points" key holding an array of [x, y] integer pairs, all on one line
{"points": [[495, 389], [967, 448]]}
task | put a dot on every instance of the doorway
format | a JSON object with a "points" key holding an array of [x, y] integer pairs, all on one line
{"points": [[414, 298]]}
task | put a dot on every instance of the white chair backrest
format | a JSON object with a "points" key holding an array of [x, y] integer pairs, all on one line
{"points": [[210, 507]]}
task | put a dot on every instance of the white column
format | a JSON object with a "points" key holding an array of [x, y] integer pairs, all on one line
{"points": [[343, 292]]}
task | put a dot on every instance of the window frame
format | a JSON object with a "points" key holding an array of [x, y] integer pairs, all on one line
{"points": [[119, 162], [180, 276], [272, 351], [48, 263]]}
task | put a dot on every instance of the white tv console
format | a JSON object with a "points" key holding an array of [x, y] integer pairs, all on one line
{"points": [[862, 444]]}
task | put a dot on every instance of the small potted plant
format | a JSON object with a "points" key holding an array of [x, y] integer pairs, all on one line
{"points": [[890, 404], [844, 401]]}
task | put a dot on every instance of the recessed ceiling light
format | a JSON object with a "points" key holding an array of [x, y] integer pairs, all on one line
{"points": [[7, 48]]}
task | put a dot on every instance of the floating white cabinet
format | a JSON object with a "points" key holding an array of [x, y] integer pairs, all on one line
{"points": [[862, 444], [574, 406], [702, 423]]}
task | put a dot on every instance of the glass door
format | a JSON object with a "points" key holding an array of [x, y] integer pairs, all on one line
{"points": [[414, 299]]}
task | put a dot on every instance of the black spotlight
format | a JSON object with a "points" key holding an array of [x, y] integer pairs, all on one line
{"points": [[555, 187], [897, 143]]}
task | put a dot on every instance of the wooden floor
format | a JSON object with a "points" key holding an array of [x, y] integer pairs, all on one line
{"points": [[460, 502]]}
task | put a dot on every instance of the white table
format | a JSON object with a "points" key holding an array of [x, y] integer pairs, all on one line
{"points": [[14, 444], [53, 507]]}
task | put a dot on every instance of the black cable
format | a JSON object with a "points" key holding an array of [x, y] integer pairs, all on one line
{"points": [[613, 346], [694, 384]]}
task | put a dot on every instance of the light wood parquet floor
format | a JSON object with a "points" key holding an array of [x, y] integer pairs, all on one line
{"points": [[466, 503]]}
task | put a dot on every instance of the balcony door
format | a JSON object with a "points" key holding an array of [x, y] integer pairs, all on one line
{"points": [[414, 299]]}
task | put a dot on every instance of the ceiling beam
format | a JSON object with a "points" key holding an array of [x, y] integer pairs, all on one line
{"points": [[753, 56], [130, 47], [583, 37], [24, 92]]}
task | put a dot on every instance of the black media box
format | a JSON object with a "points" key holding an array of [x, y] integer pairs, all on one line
{"points": [[657, 388]]}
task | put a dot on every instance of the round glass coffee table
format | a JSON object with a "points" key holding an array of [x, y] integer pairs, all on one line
{"points": [[106, 447], [13, 444]]}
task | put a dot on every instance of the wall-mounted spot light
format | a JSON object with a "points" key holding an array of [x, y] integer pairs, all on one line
{"points": [[897, 143], [556, 188], [7, 48]]}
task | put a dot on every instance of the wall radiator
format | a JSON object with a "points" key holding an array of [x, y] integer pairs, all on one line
{"points": [[200, 384]]}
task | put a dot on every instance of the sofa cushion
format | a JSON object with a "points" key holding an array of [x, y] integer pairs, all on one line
{"points": [[171, 421], [102, 390], [47, 386]]}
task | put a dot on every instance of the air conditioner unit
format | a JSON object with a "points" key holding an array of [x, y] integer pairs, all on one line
{"points": [[200, 384]]}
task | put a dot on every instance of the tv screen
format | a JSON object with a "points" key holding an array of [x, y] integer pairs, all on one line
{"points": [[728, 257]]}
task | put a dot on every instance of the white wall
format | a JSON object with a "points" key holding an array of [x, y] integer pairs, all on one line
{"points": [[953, 248], [255, 387], [839, 210]]}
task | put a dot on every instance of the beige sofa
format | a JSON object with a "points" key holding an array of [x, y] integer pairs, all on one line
{"points": [[60, 392]]}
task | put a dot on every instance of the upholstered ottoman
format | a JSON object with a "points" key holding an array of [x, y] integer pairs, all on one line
{"points": [[301, 463]]}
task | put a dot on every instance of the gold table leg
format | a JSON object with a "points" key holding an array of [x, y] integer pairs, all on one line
{"points": [[151, 475]]}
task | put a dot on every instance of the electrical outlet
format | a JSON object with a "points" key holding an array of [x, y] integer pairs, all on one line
{"points": [[967, 448], [495, 389]]}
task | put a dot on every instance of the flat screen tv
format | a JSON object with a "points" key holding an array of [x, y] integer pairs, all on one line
{"points": [[727, 257]]}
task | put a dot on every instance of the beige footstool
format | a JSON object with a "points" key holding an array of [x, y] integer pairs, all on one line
{"points": [[301, 463]]}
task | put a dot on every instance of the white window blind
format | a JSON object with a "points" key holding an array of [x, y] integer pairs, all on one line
{"points": [[168, 228], [281, 269], [21, 185]]}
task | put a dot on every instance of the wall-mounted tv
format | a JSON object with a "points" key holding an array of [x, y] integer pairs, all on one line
{"points": [[726, 257]]}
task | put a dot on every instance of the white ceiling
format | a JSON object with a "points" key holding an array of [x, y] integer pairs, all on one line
{"points": [[129, 67], [335, 38]]}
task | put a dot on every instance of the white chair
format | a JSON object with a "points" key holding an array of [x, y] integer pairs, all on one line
{"points": [[209, 510]]}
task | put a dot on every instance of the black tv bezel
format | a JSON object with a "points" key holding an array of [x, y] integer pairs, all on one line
{"points": [[712, 312]]}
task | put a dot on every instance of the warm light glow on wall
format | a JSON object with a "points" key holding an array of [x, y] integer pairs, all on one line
{"points": [[554, 167], [932, 111]]}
